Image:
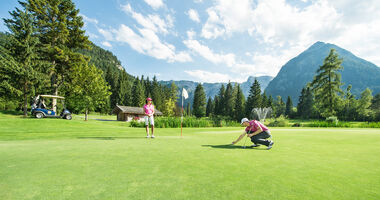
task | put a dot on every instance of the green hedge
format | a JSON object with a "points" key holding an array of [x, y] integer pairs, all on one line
{"points": [[175, 122]]}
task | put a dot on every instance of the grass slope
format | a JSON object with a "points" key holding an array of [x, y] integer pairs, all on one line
{"points": [[60, 159]]}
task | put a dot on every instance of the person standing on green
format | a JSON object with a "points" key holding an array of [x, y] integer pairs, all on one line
{"points": [[149, 113]]}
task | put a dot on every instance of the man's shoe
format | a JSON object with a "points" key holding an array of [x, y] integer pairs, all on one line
{"points": [[270, 145], [147, 136], [152, 136], [255, 145]]}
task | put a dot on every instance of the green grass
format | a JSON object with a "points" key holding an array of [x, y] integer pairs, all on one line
{"points": [[60, 159]]}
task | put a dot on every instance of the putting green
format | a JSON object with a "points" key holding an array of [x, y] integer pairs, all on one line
{"points": [[60, 159]]}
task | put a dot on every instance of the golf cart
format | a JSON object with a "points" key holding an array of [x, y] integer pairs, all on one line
{"points": [[39, 109]]}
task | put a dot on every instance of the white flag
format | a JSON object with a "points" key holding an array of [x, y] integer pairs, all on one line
{"points": [[185, 94]]}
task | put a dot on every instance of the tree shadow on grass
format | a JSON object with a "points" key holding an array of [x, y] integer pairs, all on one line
{"points": [[110, 138], [230, 146]]}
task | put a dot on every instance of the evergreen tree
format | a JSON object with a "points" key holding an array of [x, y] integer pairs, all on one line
{"points": [[326, 85], [124, 90], [289, 107], [239, 112], [301, 103], [264, 100], [188, 109], [254, 98], [199, 105], [219, 107], [60, 33], [22, 69], [229, 101], [280, 106], [138, 98], [376, 107], [364, 105], [209, 107], [157, 95], [348, 111]]}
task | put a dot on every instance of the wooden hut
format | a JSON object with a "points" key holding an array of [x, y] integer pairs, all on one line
{"points": [[128, 113]]}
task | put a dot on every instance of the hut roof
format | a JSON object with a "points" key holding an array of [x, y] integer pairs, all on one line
{"points": [[132, 110]]}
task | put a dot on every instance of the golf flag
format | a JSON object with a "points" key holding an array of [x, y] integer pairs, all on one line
{"points": [[185, 94]]}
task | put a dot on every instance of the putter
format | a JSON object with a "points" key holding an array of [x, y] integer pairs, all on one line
{"points": [[245, 142]]}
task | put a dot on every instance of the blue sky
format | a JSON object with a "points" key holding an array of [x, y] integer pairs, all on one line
{"points": [[222, 40]]}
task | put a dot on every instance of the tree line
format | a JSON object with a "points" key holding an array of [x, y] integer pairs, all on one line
{"points": [[321, 98], [46, 51]]}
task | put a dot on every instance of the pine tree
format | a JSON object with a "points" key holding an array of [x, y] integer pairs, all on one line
{"points": [[219, 107], [376, 107], [264, 100], [188, 109], [301, 103], [124, 89], [209, 107], [138, 98], [199, 105], [157, 95], [254, 98], [364, 105], [229, 101], [326, 85], [280, 106], [60, 33], [289, 107], [239, 104], [22, 67]]}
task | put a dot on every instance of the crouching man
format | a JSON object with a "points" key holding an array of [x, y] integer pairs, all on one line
{"points": [[258, 133]]}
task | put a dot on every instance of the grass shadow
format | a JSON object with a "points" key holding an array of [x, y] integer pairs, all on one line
{"points": [[110, 138], [230, 146]]}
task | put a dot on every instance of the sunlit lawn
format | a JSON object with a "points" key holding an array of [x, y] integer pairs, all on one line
{"points": [[61, 159]]}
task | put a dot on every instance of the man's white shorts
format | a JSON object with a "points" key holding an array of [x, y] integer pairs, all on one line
{"points": [[149, 119]]}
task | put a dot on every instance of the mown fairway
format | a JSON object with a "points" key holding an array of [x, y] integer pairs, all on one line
{"points": [[60, 159]]}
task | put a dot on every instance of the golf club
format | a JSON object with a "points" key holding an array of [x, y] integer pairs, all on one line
{"points": [[245, 142]]}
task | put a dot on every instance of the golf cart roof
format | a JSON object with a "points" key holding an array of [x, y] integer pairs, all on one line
{"points": [[51, 96]]}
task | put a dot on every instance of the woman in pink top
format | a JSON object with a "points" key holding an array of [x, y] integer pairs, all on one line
{"points": [[258, 133], [149, 112]]}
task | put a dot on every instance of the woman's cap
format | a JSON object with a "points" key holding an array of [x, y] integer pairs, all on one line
{"points": [[148, 99], [244, 120]]}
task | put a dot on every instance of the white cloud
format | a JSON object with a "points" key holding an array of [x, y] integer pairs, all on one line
{"points": [[152, 22], [226, 17], [198, 1], [155, 4], [148, 43], [207, 77], [106, 34], [191, 34], [106, 44], [193, 15], [88, 19]]}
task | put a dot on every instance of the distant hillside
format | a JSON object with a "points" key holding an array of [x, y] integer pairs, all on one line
{"points": [[297, 72], [212, 89]]}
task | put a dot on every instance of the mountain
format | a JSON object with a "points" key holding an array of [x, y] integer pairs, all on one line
{"points": [[212, 89], [297, 72]]}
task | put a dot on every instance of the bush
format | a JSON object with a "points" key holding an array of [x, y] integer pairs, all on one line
{"points": [[370, 125], [328, 124], [175, 122], [332, 120], [135, 123], [279, 122]]}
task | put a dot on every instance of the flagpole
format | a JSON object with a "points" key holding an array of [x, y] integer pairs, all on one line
{"points": [[182, 112]]}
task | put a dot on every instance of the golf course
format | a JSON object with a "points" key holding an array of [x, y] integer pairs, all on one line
{"points": [[76, 159]]}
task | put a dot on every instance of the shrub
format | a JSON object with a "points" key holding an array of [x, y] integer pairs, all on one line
{"points": [[332, 120], [279, 122], [370, 125]]}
